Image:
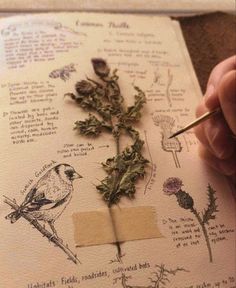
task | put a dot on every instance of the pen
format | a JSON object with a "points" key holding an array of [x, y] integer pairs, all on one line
{"points": [[197, 121]]}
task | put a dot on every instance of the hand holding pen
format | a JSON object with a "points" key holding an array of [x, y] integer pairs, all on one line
{"points": [[217, 134]]}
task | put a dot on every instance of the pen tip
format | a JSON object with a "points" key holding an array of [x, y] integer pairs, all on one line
{"points": [[176, 133]]}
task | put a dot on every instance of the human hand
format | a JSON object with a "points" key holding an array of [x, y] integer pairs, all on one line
{"points": [[217, 135]]}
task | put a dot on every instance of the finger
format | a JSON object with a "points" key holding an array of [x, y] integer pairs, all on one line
{"points": [[217, 73], [218, 135], [226, 166], [215, 134], [201, 108], [227, 98], [221, 69]]}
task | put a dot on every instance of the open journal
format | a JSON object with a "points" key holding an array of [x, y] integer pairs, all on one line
{"points": [[93, 191]]}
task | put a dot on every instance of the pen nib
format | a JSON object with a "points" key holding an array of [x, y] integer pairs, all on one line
{"points": [[197, 121], [176, 133], [172, 136]]}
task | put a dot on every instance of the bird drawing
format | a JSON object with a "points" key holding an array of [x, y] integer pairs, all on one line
{"points": [[49, 197]]}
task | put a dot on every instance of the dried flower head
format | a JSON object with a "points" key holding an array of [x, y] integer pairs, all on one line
{"points": [[100, 67], [84, 87], [172, 185]]}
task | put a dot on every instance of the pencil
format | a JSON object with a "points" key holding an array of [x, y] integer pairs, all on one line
{"points": [[196, 122]]}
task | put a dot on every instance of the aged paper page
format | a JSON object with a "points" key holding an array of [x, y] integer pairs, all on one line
{"points": [[42, 57]]}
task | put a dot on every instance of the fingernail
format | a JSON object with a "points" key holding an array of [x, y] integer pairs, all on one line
{"points": [[210, 90]]}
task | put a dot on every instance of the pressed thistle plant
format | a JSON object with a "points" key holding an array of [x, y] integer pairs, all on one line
{"points": [[172, 186], [103, 98]]}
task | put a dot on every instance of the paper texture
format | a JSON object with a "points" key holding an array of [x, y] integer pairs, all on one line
{"points": [[44, 160]]}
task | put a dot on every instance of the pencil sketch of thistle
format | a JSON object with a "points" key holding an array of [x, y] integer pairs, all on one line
{"points": [[172, 186], [153, 167], [160, 279], [172, 145], [104, 98], [169, 83]]}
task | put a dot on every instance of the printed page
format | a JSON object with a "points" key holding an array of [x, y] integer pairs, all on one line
{"points": [[176, 228]]}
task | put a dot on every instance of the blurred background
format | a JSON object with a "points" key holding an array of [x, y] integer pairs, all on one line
{"points": [[140, 6]]}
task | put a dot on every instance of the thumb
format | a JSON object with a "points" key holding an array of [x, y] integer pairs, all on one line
{"points": [[227, 98], [211, 95]]}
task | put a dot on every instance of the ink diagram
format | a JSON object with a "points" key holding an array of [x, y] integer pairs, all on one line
{"points": [[168, 85], [156, 78], [103, 97], [117, 259], [63, 73], [46, 202], [152, 176], [160, 278], [173, 145], [172, 186]]}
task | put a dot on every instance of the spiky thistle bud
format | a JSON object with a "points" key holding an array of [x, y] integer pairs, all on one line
{"points": [[184, 200], [100, 67]]}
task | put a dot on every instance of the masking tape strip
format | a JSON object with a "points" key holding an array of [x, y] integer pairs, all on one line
{"points": [[127, 224]]}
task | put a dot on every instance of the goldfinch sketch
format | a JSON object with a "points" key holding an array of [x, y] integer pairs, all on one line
{"points": [[47, 200]]}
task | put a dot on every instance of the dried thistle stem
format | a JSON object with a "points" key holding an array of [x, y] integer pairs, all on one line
{"points": [[117, 243]]}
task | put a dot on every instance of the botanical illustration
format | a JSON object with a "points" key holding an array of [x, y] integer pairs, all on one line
{"points": [[172, 145], [156, 78], [104, 98], [161, 278], [45, 203], [153, 167], [172, 186], [117, 259], [64, 72], [169, 83]]}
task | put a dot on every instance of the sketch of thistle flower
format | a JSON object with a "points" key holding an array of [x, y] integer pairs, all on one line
{"points": [[172, 186], [173, 145]]}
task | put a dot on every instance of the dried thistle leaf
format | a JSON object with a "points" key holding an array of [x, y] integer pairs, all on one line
{"points": [[134, 134], [134, 112], [124, 170], [92, 101], [113, 94], [90, 126], [115, 163]]}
